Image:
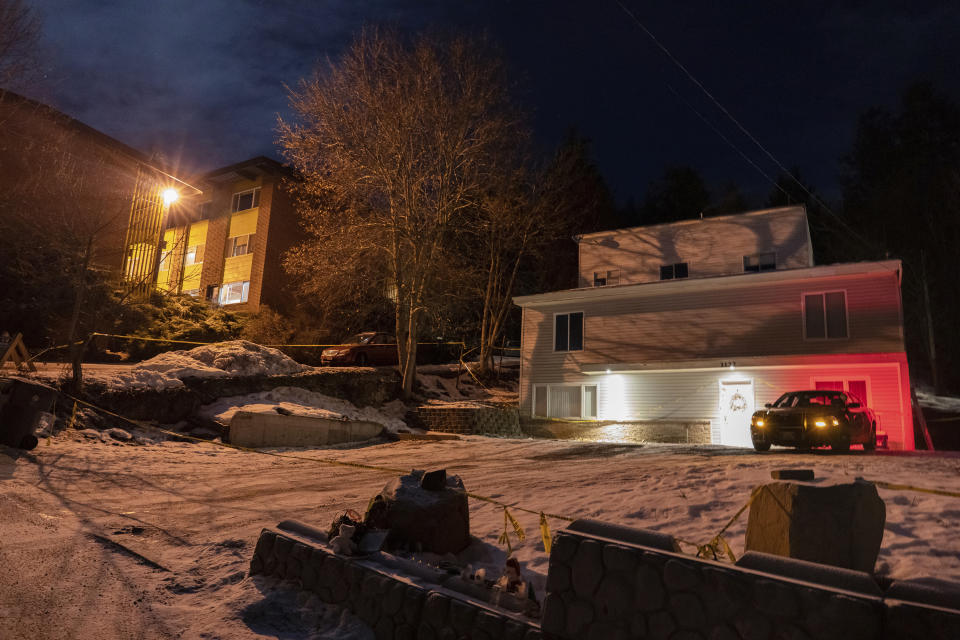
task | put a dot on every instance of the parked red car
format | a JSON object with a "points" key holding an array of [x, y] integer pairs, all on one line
{"points": [[367, 349]]}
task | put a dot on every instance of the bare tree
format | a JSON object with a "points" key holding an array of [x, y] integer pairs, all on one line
{"points": [[396, 142], [19, 42]]}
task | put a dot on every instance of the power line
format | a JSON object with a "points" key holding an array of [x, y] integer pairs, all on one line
{"points": [[740, 126]]}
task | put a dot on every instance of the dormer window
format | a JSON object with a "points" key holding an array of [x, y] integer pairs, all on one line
{"points": [[759, 262], [603, 278], [673, 271]]}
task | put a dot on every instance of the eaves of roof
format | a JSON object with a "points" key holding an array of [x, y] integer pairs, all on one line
{"points": [[695, 285]]}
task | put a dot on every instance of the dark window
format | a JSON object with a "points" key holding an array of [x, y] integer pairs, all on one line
{"points": [[825, 315], [240, 245], [568, 332], [246, 200], [205, 209], [760, 262], [671, 271], [599, 279]]}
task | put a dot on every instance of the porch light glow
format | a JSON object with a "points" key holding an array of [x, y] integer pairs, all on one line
{"points": [[170, 196]]}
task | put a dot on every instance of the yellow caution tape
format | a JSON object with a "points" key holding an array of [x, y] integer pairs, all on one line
{"points": [[906, 487], [505, 536], [545, 533], [194, 342], [517, 529]]}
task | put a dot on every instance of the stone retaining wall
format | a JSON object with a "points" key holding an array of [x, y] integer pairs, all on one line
{"points": [[689, 431], [395, 607], [470, 419], [599, 587]]}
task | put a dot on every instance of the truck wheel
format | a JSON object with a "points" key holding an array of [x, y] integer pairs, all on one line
{"points": [[761, 445], [28, 442], [871, 443]]}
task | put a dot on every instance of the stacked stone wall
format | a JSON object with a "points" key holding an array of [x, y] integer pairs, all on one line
{"points": [[470, 419], [602, 588], [395, 607], [680, 432]]}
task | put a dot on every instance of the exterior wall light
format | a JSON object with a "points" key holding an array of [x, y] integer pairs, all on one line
{"points": [[170, 196]]}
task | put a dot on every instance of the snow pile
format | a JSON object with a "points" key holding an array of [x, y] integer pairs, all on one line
{"points": [[233, 358], [302, 402], [929, 400]]}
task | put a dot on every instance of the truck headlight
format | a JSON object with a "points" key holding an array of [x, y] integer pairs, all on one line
{"points": [[758, 422], [820, 423]]}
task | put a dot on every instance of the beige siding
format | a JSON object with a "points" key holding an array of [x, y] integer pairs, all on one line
{"points": [[710, 247], [694, 394], [748, 320]]}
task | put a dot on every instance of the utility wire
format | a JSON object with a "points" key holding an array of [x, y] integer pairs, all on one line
{"points": [[743, 129], [723, 137]]}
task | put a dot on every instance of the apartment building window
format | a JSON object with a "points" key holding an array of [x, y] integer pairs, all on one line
{"points": [[246, 200], [825, 315], [568, 331], [234, 292], [165, 260], [672, 271], [240, 245], [604, 278], [205, 210], [194, 255], [193, 293], [759, 262]]}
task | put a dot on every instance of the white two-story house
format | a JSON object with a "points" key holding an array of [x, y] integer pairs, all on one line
{"points": [[702, 321]]}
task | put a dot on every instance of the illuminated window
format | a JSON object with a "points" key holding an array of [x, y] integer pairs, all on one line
{"points": [[760, 262], [239, 245], [672, 271], [193, 293], [825, 315], [565, 401], [194, 255], [246, 200], [568, 331], [234, 292], [165, 260]]}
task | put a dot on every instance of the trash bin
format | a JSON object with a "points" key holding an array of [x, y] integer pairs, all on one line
{"points": [[21, 403]]}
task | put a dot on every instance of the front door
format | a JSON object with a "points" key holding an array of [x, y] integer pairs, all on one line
{"points": [[736, 409]]}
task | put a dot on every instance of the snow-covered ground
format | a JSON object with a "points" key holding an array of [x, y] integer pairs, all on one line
{"points": [[167, 370], [195, 510], [303, 402]]}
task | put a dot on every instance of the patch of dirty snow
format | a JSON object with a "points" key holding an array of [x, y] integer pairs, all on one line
{"points": [[929, 400], [302, 402], [167, 370]]}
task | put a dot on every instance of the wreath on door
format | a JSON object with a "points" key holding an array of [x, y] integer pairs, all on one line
{"points": [[738, 403]]}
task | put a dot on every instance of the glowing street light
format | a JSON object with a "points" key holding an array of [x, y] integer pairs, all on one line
{"points": [[170, 196]]}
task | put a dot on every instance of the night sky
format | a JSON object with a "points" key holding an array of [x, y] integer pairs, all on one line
{"points": [[202, 81]]}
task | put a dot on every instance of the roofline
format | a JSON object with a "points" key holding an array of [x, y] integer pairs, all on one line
{"points": [[98, 135], [597, 234], [256, 161], [658, 287]]}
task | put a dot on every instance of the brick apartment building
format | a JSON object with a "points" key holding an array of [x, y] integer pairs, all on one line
{"points": [[229, 248]]}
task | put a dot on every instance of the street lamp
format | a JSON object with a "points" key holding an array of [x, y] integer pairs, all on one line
{"points": [[170, 196]]}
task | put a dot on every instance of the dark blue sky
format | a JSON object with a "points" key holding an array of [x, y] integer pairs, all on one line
{"points": [[203, 80]]}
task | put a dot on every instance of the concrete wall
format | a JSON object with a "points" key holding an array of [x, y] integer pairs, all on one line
{"points": [[248, 429]]}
